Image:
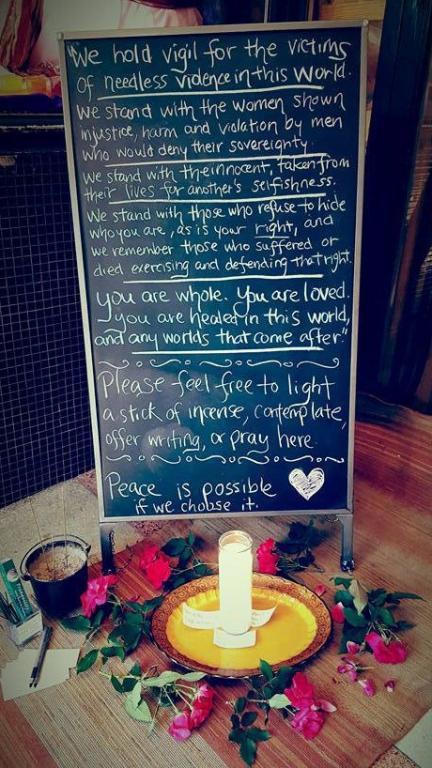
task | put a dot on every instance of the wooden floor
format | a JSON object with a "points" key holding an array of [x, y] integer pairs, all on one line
{"points": [[82, 723]]}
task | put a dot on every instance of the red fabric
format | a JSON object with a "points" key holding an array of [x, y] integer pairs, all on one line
{"points": [[20, 32]]}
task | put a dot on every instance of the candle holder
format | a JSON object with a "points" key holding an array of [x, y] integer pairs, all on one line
{"points": [[235, 582]]}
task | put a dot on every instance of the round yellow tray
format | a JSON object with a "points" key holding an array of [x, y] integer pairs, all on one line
{"points": [[298, 629]]}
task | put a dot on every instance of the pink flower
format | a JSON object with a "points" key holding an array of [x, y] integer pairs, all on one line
{"points": [[308, 722], [352, 648], [393, 652], [149, 554], [158, 571], [204, 696], [180, 728], [301, 692], [202, 705], [390, 686], [337, 613], [320, 589], [96, 594], [368, 686], [267, 559], [348, 667]]}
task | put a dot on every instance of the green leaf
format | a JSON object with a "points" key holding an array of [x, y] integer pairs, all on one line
{"points": [[354, 618], [131, 634], [117, 612], [134, 606], [266, 669], [193, 677], [135, 670], [239, 705], [113, 650], [98, 618], [237, 735], [87, 661], [402, 626], [248, 719], [386, 616], [190, 538], [129, 684], [154, 602], [235, 721], [174, 583], [135, 694], [174, 547], [360, 596], [279, 701], [248, 750], [117, 684], [165, 678], [77, 623], [258, 734], [131, 617], [115, 634], [403, 595], [342, 580], [141, 712], [344, 597], [283, 679], [377, 596]]}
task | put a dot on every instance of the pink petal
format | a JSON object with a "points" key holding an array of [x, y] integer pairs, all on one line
{"points": [[337, 613], [342, 668], [320, 589], [326, 706], [368, 686], [390, 685], [352, 648], [353, 674]]}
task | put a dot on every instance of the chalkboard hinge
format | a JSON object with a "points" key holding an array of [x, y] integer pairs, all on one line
{"points": [[347, 556], [107, 547]]}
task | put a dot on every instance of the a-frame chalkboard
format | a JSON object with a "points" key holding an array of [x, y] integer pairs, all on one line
{"points": [[216, 178]]}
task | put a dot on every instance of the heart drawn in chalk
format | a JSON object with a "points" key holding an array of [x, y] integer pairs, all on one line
{"points": [[306, 485]]}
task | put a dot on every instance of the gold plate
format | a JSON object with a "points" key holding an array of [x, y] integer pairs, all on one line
{"points": [[298, 629]]}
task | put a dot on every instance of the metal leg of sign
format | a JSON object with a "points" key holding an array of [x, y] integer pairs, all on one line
{"points": [[347, 559], [107, 547]]}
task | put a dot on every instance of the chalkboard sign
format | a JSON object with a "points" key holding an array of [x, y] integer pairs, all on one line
{"points": [[216, 176]]}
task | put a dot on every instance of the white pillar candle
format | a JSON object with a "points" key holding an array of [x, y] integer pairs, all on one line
{"points": [[235, 582]]}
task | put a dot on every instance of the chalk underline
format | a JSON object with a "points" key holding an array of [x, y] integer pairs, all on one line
{"points": [[218, 159], [220, 200], [225, 279], [212, 93], [227, 351]]}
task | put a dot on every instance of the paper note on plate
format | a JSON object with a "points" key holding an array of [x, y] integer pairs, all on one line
{"points": [[225, 640], [210, 619]]}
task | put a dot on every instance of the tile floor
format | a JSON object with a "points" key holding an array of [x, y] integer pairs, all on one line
{"points": [[43, 516]]}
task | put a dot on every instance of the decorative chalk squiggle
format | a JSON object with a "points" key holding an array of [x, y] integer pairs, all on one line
{"points": [[254, 461], [113, 365], [263, 362], [165, 362], [118, 458], [298, 458], [338, 461], [227, 364], [319, 365], [213, 456], [167, 461]]}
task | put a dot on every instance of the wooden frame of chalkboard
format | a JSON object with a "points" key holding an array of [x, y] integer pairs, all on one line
{"points": [[169, 480]]}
